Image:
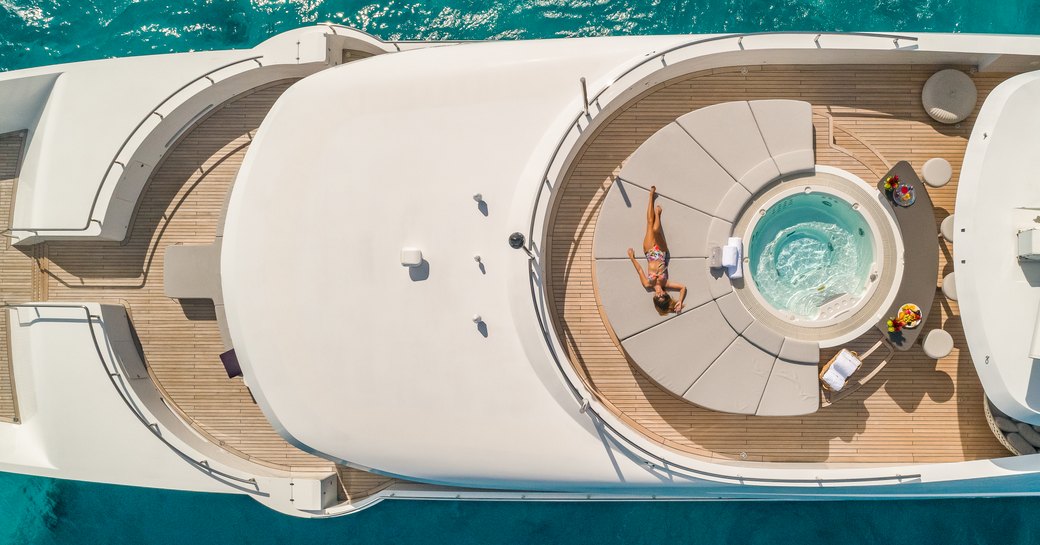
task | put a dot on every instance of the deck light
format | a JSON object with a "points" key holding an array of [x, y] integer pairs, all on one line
{"points": [[516, 241]]}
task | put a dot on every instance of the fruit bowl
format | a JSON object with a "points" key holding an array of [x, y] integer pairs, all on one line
{"points": [[914, 310]]}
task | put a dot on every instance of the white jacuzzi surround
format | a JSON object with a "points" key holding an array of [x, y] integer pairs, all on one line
{"points": [[837, 309]]}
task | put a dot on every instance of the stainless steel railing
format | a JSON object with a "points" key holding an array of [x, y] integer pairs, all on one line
{"points": [[650, 459], [117, 378], [586, 111], [115, 159]]}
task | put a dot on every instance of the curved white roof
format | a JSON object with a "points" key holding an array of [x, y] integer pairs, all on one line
{"points": [[997, 196], [350, 356]]}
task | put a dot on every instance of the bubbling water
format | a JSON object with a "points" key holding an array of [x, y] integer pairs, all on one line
{"points": [[809, 250]]}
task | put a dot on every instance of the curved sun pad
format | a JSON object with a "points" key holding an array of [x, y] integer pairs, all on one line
{"points": [[629, 305], [706, 165], [622, 224]]}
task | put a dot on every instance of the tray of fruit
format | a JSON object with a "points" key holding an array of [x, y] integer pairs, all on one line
{"points": [[903, 194], [910, 315]]}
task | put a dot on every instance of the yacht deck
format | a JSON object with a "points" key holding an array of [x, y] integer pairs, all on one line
{"points": [[17, 269], [866, 118], [180, 339]]}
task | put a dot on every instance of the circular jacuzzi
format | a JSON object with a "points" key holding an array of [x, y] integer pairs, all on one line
{"points": [[812, 256], [821, 255]]}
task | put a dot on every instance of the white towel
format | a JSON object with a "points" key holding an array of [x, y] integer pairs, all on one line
{"points": [[735, 269], [846, 363], [834, 380], [729, 256]]}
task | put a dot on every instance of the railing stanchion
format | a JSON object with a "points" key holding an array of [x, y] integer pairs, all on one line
{"points": [[585, 94]]}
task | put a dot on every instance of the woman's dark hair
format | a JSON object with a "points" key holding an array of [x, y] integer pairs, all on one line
{"points": [[663, 303]]}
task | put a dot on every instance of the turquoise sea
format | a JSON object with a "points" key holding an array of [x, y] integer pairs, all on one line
{"points": [[45, 511]]}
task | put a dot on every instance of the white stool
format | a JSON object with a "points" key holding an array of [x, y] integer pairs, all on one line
{"points": [[949, 287], [949, 96], [946, 228], [937, 344], [937, 172]]}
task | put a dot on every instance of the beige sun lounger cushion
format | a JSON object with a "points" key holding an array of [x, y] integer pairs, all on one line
{"points": [[793, 389], [675, 353], [736, 381], [787, 130], [734, 312], [192, 271], [681, 170], [629, 306], [729, 133], [622, 224]]}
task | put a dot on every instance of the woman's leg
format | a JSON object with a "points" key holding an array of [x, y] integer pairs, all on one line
{"points": [[652, 219], [659, 231]]}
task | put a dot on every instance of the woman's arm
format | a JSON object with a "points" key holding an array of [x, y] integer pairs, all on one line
{"points": [[682, 293], [639, 269]]}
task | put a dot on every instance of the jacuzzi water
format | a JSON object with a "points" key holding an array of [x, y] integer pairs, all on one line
{"points": [[811, 256]]}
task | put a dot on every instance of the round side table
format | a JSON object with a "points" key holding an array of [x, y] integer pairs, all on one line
{"points": [[937, 172], [938, 343]]}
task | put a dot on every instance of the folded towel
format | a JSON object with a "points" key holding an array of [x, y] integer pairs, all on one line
{"points": [[735, 271], [734, 266], [729, 256], [834, 380], [846, 363]]}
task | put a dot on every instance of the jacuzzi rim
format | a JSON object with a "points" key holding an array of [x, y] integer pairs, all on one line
{"points": [[810, 188]]}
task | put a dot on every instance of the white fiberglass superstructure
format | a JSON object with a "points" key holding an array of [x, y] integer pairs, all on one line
{"points": [[332, 270]]}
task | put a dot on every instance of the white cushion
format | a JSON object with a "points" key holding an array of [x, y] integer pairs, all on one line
{"points": [[622, 224], [736, 381], [729, 133], [946, 228], [938, 344], [937, 172], [949, 96], [792, 389], [787, 130], [675, 353], [680, 168]]}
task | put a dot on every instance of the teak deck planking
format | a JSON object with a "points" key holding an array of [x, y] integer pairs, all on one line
{"points": [[917, 409], [17, 278], [181, 341]]}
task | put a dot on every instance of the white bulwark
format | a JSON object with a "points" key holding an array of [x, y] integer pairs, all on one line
{"points": [[388, 278]]}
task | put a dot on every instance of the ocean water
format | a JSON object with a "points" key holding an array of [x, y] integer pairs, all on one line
{"points": [[46, 511]]}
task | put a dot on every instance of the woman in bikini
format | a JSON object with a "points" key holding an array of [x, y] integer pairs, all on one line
{"points": [[656, 250]]}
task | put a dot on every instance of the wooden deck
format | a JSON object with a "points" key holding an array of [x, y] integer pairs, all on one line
{"points": [[18, 273], [866, 118], [181, 341]]}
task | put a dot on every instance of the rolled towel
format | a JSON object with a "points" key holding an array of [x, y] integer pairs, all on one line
{"points": [[736, 270], [729, 256], [834, 380]]}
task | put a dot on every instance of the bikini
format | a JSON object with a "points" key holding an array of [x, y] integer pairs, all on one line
{"points": [[655, 254]]}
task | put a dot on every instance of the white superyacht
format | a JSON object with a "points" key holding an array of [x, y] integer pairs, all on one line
{"points": [[333, 270]]}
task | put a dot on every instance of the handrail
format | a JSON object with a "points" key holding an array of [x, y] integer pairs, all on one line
{"points": [[115, 159], [651, 459], [660, 55], [656, 460], [202, 465]]}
